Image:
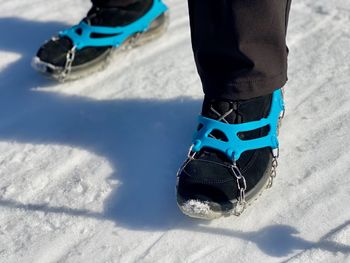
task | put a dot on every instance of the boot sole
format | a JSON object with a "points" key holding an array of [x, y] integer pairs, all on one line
{"points": [[156, 30]]}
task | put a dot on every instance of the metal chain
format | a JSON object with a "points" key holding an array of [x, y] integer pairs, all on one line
{"points": [[275, 154], [273, 172], [242, 187], [190, 157], [68, 65]]}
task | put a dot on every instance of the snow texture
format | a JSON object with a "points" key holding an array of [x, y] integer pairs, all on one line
{"points": [[196, 207], [88, 168]]}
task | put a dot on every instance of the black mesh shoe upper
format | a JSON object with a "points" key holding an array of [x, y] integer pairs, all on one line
{"points": [[208, 177], [55, 50]]}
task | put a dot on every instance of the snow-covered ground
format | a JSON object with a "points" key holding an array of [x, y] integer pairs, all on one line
{"points": [[87, 168]]}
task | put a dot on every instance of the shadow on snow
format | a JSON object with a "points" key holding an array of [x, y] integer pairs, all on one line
{"points": [[145, 139]]}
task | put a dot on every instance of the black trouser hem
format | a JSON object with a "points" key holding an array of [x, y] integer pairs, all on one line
{"points": [[242, 90]]}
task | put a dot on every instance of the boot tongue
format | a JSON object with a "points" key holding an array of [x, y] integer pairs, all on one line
{"points": [[241, 110], [217, 109]]}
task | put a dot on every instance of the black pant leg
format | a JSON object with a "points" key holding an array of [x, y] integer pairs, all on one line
{"points": [[240, 46]]}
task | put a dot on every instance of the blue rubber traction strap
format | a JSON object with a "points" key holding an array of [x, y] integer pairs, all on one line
{"points": [[115, 36], [234, 147]]}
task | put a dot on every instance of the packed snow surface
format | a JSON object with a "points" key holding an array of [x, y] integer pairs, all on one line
{"points": [[87, 168]]}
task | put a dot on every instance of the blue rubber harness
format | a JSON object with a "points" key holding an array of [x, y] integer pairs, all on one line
{"points": [[82, 34], [234, 146]]}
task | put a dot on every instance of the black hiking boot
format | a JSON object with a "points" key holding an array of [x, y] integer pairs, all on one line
{"points": [[56, 58], [210, 184]]}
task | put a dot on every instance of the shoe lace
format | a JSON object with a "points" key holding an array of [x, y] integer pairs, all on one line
{"points": [[233, 109]]}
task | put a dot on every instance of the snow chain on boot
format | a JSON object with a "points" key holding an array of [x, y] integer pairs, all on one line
{"points": [[273, 169], [82, 34], [68, 65], [276, 152], [242, 187], [233, 147]]}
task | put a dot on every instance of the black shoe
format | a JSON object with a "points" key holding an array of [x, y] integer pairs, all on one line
{"points": [[51, 58], [207, 185]]}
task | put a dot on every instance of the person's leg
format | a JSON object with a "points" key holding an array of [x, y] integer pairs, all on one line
{"points": [[241, 56], [240, 46]]}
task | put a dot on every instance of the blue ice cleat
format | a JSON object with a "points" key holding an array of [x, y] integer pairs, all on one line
{"points": [[86, 47], [233, 156], [83, 34], [233, 147]]}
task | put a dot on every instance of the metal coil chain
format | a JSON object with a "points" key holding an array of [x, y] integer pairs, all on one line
{"points": [[68, 65], [242, 187]]}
